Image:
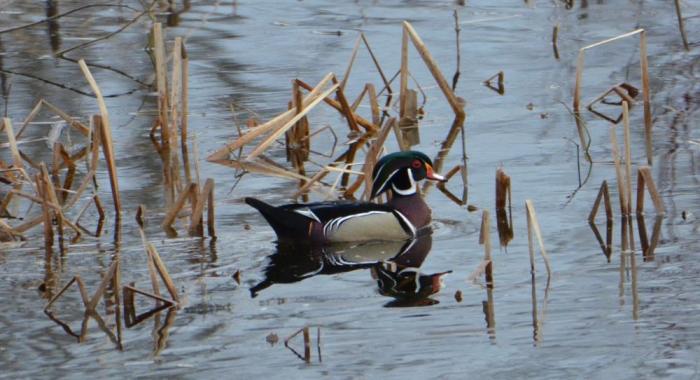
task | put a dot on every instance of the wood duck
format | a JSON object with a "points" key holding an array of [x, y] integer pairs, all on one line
{"points": [[342, 221]]}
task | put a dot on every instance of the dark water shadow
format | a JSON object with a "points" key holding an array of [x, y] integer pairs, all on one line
{"points": [[395, 266]]}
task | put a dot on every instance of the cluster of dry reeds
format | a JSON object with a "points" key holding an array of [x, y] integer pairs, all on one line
{"points": [[184, 194], [368, 134], [58, 187], [54, 186]]}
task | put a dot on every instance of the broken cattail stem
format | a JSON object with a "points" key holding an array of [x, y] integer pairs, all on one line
{"points": [[106, 134], [106, 280], [265, 144], [46, 212], [485, 239], [646, 95], [307, 345], [555, 38], [645, 179], [603, 194], [455, 78], [681, 25], [353, 56], [432, 65], [184, 114], [628, 155], [16, 158], [211, 225], [621, 183], [533, 228], [403, 80], [273, 124], [81, 287], [178, 205], [175, 93], [161, 82], [163, 272], [364, 123], [196, 225], [346, 109], [503, 190], [140, 221]]}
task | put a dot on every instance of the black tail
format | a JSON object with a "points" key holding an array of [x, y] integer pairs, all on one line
{"points": [[288, 225]]}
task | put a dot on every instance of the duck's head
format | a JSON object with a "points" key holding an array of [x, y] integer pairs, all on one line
{"points": [[401, 171]]}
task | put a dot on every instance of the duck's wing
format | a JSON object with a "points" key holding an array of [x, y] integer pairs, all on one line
{"points": [[352, 221], [339, 221]]}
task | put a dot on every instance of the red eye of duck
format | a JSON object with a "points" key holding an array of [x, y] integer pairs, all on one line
{"points": [[416, 164]]}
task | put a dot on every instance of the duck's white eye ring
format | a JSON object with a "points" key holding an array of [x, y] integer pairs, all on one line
{"points": [[416, 164]]}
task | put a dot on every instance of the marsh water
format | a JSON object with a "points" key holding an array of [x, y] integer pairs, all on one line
{"points": [[617, 317]]}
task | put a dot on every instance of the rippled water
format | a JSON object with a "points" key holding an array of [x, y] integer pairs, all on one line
{"points": [[596, 318]]}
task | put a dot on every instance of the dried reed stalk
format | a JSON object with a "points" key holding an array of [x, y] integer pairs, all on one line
{"points": [[100, 211], [161, 82], [621, 182], [206, 196], [403, 144], [485, 240], [50, 195], [184, 114], [364, 123], [442, 186], [432, 65], [533, 228], [175, 92], [130, 316], [485, 266], [353, 56], [503, 190], [9, 131], [625, 91], [646, 179], [106, 280], [373, 154], [647, 246], [504, 216], [16, 159], [403, 79], [408, 125], [500, 87], [46, 212], [277, 133], [603, 194], [163, 272], [77, 125], [345, 107], [7, 229], [106, 134], [371, 93], [307, 343], [628, 155], [81, 287], [555, 38], [273, 124], [681, 26], [644, 66], [178, 205]]}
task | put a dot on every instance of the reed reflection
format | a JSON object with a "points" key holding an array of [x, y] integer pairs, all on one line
{"points": [[395, 266], [53, 28]]}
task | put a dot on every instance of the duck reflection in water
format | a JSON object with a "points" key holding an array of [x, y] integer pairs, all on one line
{"points": [[394, 265]]}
